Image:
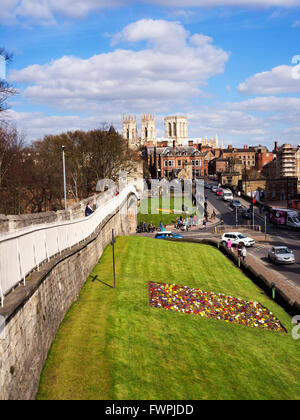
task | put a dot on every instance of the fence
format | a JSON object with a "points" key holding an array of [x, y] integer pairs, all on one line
{"points": [[22, 252]]}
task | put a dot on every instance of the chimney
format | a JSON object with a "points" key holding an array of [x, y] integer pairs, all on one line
{"points": [[200, 147], [191, 142], [276, 147], [229, 146]]}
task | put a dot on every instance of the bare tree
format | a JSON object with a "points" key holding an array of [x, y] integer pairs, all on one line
{"points": [[6, 90]]}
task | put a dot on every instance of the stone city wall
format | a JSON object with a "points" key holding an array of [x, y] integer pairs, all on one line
{"points": [[34, 312], [11, 223]]}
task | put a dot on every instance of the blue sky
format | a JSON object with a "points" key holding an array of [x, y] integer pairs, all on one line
{"points": [[227, 66]]}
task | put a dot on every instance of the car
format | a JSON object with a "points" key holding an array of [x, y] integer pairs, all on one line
{"points": [[219, 192], [281, 255], [237, 238], [235, 204], [168, 234], [247, 214], [214, 188]]}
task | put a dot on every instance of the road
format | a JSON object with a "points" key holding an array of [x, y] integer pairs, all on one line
{"points": [[278, 236]]}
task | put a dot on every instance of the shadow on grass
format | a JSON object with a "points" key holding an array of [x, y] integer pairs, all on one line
{"points": [[95, 278]]}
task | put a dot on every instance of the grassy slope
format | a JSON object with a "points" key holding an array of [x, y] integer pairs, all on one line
{"points": [[112, 345]]}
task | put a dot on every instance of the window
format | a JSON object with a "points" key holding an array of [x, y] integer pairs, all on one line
{"points": [[193, 162], [179, 162], [197, 162], [166, 163]]}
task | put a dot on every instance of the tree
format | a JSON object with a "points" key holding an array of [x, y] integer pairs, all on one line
{"points": [[6, 90], [11, 176]]}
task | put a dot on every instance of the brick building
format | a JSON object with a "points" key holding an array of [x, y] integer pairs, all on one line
{"points": [[167, 162], [246, 155]]}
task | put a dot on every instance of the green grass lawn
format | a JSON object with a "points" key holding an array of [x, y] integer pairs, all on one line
{"points": [[155, 209], [113, 345]]}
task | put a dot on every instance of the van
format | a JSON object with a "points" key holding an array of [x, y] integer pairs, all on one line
{"points": [[227, 195]]}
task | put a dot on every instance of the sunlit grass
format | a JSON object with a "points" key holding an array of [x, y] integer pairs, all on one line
{"points": [[113, 345]]}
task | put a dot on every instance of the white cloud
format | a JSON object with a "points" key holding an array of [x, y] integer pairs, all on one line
{"points": [[281, 79], [45, 11], [225, 121], [268, 104], [152, 78], [35, 125]]}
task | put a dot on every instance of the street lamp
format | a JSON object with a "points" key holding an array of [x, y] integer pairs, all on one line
{"points": [[64, 175]]}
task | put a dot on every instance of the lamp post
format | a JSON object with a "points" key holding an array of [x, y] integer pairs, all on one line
{"points": [[64, 175]]}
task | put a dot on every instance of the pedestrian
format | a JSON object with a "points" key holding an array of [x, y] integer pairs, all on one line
{"points": [[161, 226], [145, 227], [213, 215], [150, 227], [204, 224], [244, 253], [239, 249], [229, 244], [88, 210], [186, 226]]}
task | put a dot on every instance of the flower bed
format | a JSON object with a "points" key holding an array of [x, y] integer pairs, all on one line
{"points": [[211, 305]]}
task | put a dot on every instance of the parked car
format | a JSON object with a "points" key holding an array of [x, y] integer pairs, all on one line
{"points": [[235, 204], [214, 188], [237, 238], [168, 234], [281, 255], [219, 192]]}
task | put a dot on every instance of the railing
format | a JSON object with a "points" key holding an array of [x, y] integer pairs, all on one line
{"points": [[238, 228], [22, 252]]}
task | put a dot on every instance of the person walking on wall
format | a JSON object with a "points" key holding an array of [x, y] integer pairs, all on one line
{"points": [[88, 210]]}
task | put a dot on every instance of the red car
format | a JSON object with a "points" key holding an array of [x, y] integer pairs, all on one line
{"points": [[219, 191]]}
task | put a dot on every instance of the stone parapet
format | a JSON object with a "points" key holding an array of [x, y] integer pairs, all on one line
{"points": [[34, 312]]}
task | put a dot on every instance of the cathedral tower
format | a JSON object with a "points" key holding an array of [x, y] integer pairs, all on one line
{"points": [[130, 130], [148, 133], [176, 129]]}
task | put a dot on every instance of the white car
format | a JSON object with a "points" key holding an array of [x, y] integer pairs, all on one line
{"points": [[214, 188], [237, 238]]}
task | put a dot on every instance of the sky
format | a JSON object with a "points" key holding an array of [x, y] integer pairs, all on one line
{"points": [[231, 66]]}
